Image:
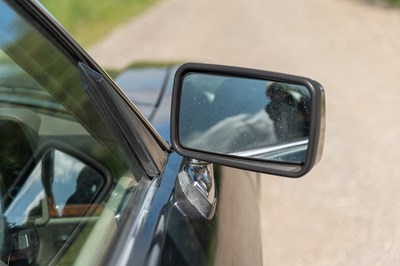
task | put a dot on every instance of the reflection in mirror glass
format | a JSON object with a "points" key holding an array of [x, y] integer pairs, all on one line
{"points": [[57, 181], [73, 183], [245, 117], [25, 206]]}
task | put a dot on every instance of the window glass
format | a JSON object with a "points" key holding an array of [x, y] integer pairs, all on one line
{"points": [[62, 173]]}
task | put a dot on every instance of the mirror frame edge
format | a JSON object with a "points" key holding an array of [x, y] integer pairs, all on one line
{"points": [[317, 125]]}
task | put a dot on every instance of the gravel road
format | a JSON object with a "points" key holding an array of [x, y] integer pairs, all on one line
{"points": [[347, 210]]}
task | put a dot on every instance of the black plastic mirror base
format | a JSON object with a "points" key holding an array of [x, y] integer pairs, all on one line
{"points": [[281, 167]]}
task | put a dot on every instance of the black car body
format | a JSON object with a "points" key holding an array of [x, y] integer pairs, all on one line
{"points": [[233, 235], [88, 174]]}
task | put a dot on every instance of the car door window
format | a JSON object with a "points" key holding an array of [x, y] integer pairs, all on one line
{"points": [[62, 173]]}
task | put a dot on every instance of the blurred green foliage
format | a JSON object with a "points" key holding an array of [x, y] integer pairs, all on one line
{"points": [[89, 21], [395, 2]]}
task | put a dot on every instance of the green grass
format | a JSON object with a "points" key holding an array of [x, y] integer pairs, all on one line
{"points": [[394, 2], [89, 21]]}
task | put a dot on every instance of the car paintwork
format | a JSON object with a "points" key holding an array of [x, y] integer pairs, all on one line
{"points": [[154, 103], [144, 86], [208, 242]]}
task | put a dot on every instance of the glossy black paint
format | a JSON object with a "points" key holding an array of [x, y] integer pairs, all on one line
{"points": [[179, 236], [176, 238], [144, 86]]}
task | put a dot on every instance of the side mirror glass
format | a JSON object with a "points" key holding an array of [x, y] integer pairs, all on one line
{"points": [[245, 117], [59, 183], [241, 117]]}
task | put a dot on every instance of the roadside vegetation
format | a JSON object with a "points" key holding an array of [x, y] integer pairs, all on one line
{"points": [[88, 21], [395, 2]]}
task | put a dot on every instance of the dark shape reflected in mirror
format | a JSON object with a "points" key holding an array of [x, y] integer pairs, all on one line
{"points": [[59, 190], [57, 185], [74, 186], [245, 117]]}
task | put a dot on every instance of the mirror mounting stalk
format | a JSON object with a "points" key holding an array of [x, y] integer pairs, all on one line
{"points": [[195, 190]]}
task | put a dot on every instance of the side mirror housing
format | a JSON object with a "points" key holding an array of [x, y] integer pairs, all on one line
{"points": [[250, 119]]}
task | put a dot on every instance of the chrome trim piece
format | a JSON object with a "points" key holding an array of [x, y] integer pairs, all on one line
{"points": [[202, 175], [196, 189]]}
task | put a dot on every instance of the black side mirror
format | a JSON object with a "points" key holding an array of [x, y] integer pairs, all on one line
{"points": [[250, 119]]}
